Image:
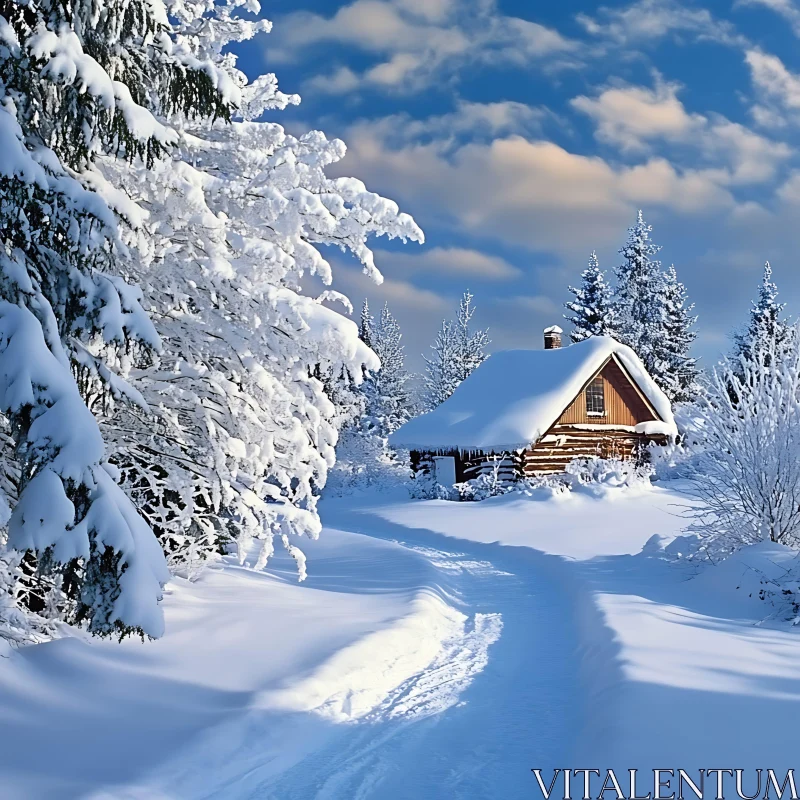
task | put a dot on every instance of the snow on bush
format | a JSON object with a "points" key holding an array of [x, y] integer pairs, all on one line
{"points": [[492, 482], [366, 463], [745, 480], [424, 486], [608, 472], [596, 476]]}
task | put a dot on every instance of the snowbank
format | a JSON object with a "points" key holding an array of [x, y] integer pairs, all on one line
{"points": [[514, 397], [365, 679], [369, 636]]}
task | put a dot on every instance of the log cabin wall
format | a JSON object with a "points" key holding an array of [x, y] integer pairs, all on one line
{"points": [[473, 464], [623, 404], [510, 465], [553, 452], [568, 440]]}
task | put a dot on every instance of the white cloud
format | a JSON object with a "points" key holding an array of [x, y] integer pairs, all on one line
{"points": [[766, 117], [475, 122], [630, 115], [786, 8], [401, 295], [772, 77], [341, 81], [751, 158], [644, 21], [450, 261], [534, 193], [420, 42], [634, 118], [789, 191]]}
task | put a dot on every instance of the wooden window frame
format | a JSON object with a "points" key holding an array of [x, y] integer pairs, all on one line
{"points": [[595, 389]]}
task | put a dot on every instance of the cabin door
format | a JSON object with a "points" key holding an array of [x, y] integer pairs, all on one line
{"points": [[444, 468]]}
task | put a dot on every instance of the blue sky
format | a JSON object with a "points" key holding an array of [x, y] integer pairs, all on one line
{"points": [[523, 135]]}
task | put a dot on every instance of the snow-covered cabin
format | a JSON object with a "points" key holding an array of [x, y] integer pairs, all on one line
{"points": [[540, 409]]}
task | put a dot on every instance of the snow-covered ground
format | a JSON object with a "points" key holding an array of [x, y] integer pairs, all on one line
{"points": [[437, 649]]}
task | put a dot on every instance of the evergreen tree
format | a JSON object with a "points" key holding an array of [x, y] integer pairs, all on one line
{"points": [[388, 401], [471, 346], [638, 300], [81, 83], [440, 380], [457, 351], [367, 324], [767, 326], [677, 372], [117, 169], [363, 456], [258, 378], [593, 307]]}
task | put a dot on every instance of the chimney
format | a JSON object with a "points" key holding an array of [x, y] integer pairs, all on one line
{"points": [[552, 337]]}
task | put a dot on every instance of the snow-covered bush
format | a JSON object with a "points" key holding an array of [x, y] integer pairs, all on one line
{"points": [[480, 488], [609, 472], [746, 476], [490, 483], [593, 475], [424, 486], [366, 462]]}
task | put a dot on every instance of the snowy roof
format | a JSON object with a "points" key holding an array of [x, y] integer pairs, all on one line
{"points": [[553, 329], [515, 396]]}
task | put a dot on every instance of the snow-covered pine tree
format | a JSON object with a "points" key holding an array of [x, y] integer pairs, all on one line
{"points": [[366, 324], [457, 351], [388, 399], [440, 381], [767, 327], [472, 345], [638, 299], [677, 371], [363, 454], [593, 306], [79, 82], [245, 426]]}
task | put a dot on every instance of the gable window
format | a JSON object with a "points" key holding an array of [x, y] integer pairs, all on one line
{"points": [[596, 398]]}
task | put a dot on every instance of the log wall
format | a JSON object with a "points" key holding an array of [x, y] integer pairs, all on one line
{"points": [[564, 443], [624, 405], [471, 465]]}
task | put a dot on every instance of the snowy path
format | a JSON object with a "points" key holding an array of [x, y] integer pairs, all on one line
{"points": [[471, 723], [519, 712], [421, 669]]}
